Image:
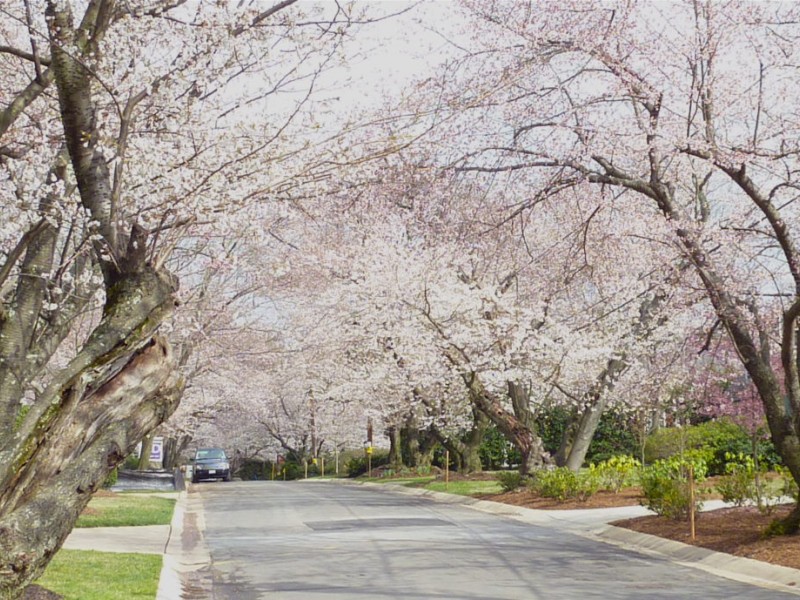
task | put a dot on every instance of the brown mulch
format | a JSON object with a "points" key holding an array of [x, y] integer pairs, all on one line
{"points": [[526, 498], [737, 531]]}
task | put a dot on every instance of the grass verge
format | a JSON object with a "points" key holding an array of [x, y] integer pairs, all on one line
{"points": [[407, 481], [466, 488], [91, 575], [121, 510]]}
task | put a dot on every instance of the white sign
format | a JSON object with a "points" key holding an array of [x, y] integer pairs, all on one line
{"points": [[157, 451]]}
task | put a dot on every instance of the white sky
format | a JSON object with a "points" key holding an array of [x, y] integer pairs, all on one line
{"points": [[385, 57]]}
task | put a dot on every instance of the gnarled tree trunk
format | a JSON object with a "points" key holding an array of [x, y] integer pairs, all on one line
{"points": [[518, 427], [119, 387], [464, 451]]}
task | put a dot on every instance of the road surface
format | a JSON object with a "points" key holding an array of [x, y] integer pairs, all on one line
{"points": [[315, 541]]}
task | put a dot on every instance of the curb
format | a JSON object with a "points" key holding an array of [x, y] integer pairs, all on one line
{"points": [[185, 552], [746, 570], [169, 583]]}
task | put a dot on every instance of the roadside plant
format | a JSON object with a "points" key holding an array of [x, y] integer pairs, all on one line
{"points": [[788, 484], [739, 484], [666, 485], [509, 480], [618, 472], [564, 484]]}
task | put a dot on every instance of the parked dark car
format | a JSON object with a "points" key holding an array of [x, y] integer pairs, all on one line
{"points": [[210, 463]]}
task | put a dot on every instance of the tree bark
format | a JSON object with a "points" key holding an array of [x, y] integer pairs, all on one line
{"points": [[518, 428], [120, 386], [465, 451], [395, 455], [144, 455], [173, 448]]}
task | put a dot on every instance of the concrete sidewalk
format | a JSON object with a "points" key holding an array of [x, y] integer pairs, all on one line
{"points": [[180, 543], [186, 555]]}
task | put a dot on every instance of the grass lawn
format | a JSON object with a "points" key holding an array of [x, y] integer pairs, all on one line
{"points": [[429, 482], [90, 575], [118, 510], [466, 488], [408, 481]]}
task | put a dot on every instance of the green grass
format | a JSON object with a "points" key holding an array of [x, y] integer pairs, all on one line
{"points": [[122, 510], [466, 488], [408, 481], [90, 575], [429, 482]]}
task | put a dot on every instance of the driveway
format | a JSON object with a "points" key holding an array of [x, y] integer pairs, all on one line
{"points": [[299, 540]]}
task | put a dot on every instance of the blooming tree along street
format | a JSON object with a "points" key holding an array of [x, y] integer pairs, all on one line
{"points": [[219, 224]]}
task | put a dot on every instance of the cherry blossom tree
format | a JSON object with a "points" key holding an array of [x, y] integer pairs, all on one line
{"points": [[678, 108], [125, 130]]}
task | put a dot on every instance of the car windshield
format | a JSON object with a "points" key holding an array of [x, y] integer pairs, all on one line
{"points": [[210, 453]]}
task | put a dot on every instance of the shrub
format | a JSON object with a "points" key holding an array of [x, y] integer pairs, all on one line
{"points": [[131, 462], [111, 478], [738, 485], [665, 485], [496, 451], [714, 438], [614, 437], [509, 480], [618, 472], [788, 484], [563, 484], [257, 469], [357, 465]]}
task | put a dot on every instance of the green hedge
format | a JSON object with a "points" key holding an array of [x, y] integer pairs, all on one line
{"points": [[714, 439]]}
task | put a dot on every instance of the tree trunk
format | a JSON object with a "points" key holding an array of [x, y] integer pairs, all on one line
{"points": [[464, 451], [417, 444], [567, 439], [395, 455], [144, 455], [580, 432], [584, 433], [518, 428], [119, 387], [173, 448]]}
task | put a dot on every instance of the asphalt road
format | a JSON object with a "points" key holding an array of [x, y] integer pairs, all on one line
{"points": [[314, 541]]}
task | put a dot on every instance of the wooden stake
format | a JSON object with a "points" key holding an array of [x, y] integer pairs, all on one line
{"points": [[446, 468], [691, 501]]}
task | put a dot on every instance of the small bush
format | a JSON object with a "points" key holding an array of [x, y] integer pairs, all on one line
{"points": [[618, 472], [358, 464], [665, 485], [257, 469], [563, 484], [788, 484], [111, 478], [738, 485], [509, 480]]}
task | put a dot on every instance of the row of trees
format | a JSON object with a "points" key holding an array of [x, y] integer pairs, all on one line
{"points": [[577, 209], [588, 201]]}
